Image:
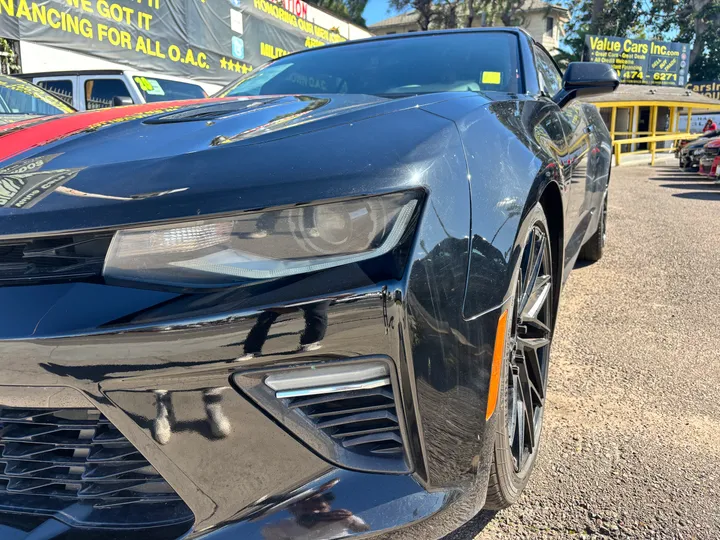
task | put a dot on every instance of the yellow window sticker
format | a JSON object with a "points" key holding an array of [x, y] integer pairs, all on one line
{"points": [[150, 86], [491, 77]]}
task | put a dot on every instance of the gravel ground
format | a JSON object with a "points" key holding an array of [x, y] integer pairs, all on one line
{"points": [[631, 442]]}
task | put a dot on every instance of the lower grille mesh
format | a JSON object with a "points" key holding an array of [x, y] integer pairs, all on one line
{"points": [[53, 459]]}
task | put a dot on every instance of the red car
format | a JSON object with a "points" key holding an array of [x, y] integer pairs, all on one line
{"points": [[709, 159]]}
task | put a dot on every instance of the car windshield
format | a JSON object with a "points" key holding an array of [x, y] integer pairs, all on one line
{"points": [[21, 97], [456, 62], [154, 89]]}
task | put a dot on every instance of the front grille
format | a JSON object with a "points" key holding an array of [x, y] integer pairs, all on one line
{"points": [[712, 151], [363, 421], [62, 258], [73, 463]]}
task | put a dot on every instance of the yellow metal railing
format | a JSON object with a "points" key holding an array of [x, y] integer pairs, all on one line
{"points": [[652, 141], [653, 135]]}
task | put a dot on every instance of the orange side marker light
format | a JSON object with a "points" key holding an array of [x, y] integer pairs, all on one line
{"points": [[498, 354]]}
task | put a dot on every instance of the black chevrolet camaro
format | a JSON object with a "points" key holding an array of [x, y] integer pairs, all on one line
{"points": [[319, 305]]}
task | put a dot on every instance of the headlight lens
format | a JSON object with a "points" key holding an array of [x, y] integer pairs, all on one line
{"points": [[263, 245]]}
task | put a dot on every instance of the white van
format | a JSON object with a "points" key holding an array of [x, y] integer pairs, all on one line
{"points": [[97, 89]]}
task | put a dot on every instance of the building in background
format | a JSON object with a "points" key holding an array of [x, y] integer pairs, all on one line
{"points": [[544, 21], [637, 113]]}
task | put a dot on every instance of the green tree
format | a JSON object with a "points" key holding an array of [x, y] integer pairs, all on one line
{"points": [[696, 22], [348, 9], [355, 9], [8, 57], [622, 18], [427, 10]]}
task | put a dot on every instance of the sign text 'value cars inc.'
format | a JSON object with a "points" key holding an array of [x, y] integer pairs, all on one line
{"points": [[214, 41], [640, 61]]}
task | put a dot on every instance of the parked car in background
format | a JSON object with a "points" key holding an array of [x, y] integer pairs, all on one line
{"points": [[710, 152], [689, 155], [20, 100], [87, 90], [327, 312]]}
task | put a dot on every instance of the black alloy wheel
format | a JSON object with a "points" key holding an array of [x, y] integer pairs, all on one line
{"points": [[529, 350], [525, 367]]}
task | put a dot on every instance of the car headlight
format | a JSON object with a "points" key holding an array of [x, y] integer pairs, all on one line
{"points": [[261, 245], [699, 151]]}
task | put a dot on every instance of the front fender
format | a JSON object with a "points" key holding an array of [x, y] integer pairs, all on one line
{"points": [[509, 151]]}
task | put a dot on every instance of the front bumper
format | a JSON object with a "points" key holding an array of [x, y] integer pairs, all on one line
{"points": [[118, 349]]}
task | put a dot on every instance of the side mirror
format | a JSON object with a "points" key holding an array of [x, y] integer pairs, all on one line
{"points": [[121, 101], [584, 79]]}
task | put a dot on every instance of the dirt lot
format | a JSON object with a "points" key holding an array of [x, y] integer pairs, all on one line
{"points": [[631, 444]]}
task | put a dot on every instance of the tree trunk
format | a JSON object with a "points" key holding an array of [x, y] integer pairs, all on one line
{"points": [[701, 26], [598, 7]]}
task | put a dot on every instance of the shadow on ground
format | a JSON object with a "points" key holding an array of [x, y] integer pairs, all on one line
{"points": [[706, 186], [473, 527], [703, 186], [700, 195]]}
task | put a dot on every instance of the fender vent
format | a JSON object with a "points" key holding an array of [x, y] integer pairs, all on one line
{"points": [[346, 411], [75, 465], [363, 421]]}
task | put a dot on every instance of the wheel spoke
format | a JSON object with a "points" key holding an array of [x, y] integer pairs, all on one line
{"points": [[535, 300], [512, 407], [533, 343], [531, 363], [535, 263], [519, 442], [528, 414]]}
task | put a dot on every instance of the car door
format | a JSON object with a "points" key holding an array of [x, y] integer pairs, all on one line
{"points": [[99, 90], [578, 135]]}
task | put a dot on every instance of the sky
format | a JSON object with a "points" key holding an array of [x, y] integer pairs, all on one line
{"points": [[376, 10]]}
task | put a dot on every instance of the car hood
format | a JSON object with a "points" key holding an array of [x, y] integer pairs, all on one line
{"points": [[699, 143], [59, 173], [167, 128]]}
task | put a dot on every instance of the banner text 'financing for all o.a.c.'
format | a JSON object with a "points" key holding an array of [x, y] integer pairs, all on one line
{"points": [[214, 41]]}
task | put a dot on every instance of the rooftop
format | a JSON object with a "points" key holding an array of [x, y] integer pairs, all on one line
{"points": [[642, 92], [403, 18]]}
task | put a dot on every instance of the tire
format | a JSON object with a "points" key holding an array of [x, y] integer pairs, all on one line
{"points": [[592, 250], [525, 367]]}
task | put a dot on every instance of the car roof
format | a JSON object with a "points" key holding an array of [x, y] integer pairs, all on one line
{"points": [[70, 73]]}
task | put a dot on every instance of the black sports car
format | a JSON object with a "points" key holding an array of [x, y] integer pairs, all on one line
{"points": [[318, 306]]}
